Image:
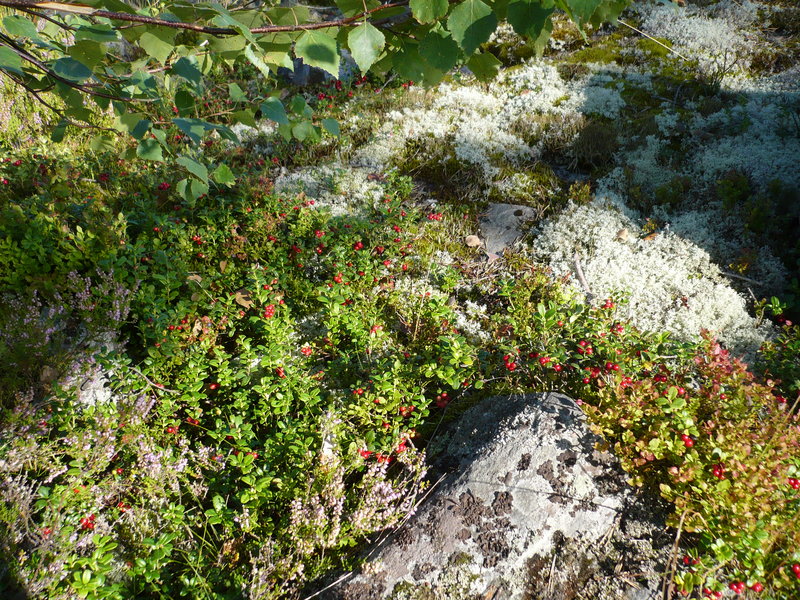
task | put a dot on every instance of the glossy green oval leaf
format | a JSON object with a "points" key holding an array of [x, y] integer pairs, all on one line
{"points": [[366, 43], [318, 49], [472, 23], [428, 11]]}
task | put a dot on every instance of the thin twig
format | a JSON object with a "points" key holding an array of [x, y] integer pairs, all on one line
{"points": [[742, 277], [581, 278], [378, 544], [550, 576], [673, 561], [652, 39], [158, 386]]}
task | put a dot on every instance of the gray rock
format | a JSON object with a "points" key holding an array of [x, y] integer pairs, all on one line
{"points": [[528, 508], [501, 226]]}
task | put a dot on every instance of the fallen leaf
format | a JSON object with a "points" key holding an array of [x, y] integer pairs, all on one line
{"points": [[223, 264], [243, 298], [196, 278], [473, 241]]}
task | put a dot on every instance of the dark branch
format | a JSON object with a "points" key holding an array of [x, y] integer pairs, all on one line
{"points": [[74, 8]]}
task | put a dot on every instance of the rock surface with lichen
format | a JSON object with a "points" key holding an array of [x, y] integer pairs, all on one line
{"points": [[527, 507]]}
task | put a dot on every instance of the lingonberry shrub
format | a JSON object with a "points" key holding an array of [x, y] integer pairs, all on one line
{"points": [[688, 421]]}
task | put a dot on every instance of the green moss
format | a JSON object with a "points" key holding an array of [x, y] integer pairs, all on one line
{"points": [[653, 48], [537, 186], [605, 51]]}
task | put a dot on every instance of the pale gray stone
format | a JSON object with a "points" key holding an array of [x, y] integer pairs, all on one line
{"points": [[528, 508]]}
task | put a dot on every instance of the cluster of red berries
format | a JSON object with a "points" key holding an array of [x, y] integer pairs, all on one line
{"points": [[163, 186], [280, 372], [197, 239], [584, 348], [406, 411], [269, 311], [509, 362], [795, 483], [358, 246], [172, 429], [87, 523], [718, 471], [435, 216], [707, 593], [609, 304], [687, 440], [737, 586], [442, 400], [306, 351]]}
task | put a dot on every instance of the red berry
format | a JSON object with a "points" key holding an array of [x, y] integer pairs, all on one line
{"points": [[757, 587], [213, 386]]}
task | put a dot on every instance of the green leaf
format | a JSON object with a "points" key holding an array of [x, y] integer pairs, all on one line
{"points": [[194, 167], [187, 69], [302, 130], [133, 124], [317, 49], [198, 188], [485, 66], [245, 116], [528, 17], [87, 52], [273, 109], [57, 135], [156, 46], [226, 19], [354, 7], [580, 11], [10, 60], [96, 33], [252, 53], [102, 143], [427, 11], [71, 69], [608, 11], [236, 94], [184, 102], [149, 149], [331, 126], [366, 44], [18, 26], [223, 175], [439, 50], [472, 23]]}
